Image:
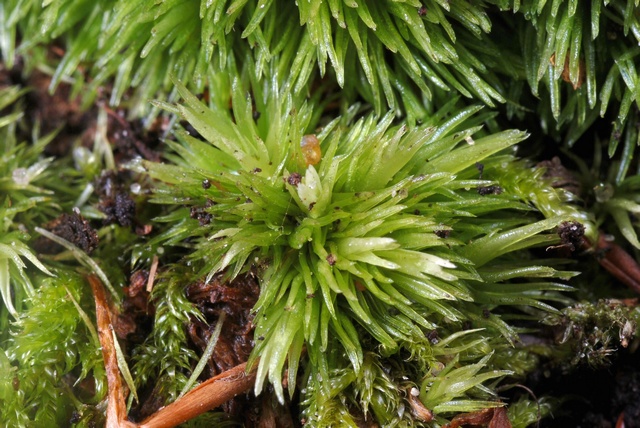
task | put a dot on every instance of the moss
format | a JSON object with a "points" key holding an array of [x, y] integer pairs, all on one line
{"points": [[359, 158]]}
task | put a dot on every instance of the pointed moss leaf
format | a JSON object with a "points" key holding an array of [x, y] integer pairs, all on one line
{"points": [[467, 406], [348, 336], [206, 355], [123, 366], [5, 287], [621, 217], [445, 388], [416, 263], [310, 188], [502, 273], [484, 249], [468, 155], [349, 246], [83, 258], [423, 287], [16, 249], [446, 342], [281, 342]]}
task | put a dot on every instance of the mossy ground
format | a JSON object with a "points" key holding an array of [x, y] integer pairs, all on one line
{"points": [[590, 395], [391, 240]]}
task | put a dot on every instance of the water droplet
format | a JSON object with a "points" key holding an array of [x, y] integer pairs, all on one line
{"points": [[603, 192], [20, 176], [135, 188]]}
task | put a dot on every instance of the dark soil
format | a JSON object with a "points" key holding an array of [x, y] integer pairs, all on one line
{"points": [[58, 112], [72, 227], [115, 199]]}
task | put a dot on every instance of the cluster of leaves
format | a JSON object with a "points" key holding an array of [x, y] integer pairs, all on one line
{"points": [[378, 230], [43, 370], [592, 47], [21, 170], [59, 368], [164, 358], [436, 47], [127, 41]]}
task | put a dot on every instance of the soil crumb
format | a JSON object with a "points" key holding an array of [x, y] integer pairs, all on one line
{"points": [[72, 227]]}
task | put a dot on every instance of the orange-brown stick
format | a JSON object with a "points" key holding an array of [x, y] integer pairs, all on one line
{"points": [[206, 396], [116, 407]]}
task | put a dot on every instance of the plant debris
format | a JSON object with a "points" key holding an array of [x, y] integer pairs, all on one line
{"points": [[495, 417], [560, 176], [201, 214], [116, 407], [237, 299], [133, 322], [489, 190], [571, 234], [618, 262], [591, 332], [115, 201], [72, 227], [204, 397]]}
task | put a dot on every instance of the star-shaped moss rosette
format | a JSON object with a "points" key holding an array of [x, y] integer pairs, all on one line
{"points": [[363, 226]]}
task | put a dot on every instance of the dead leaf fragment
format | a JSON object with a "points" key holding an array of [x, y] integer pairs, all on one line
{"points": [[566, 75], [491, 418]]}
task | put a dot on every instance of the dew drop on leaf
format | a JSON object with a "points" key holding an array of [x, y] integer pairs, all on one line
{"points": [[20, 176]]}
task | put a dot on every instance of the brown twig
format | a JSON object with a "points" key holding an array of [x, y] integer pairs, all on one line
{"points": [[618, 262], [206, 396], [116, 407]]}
